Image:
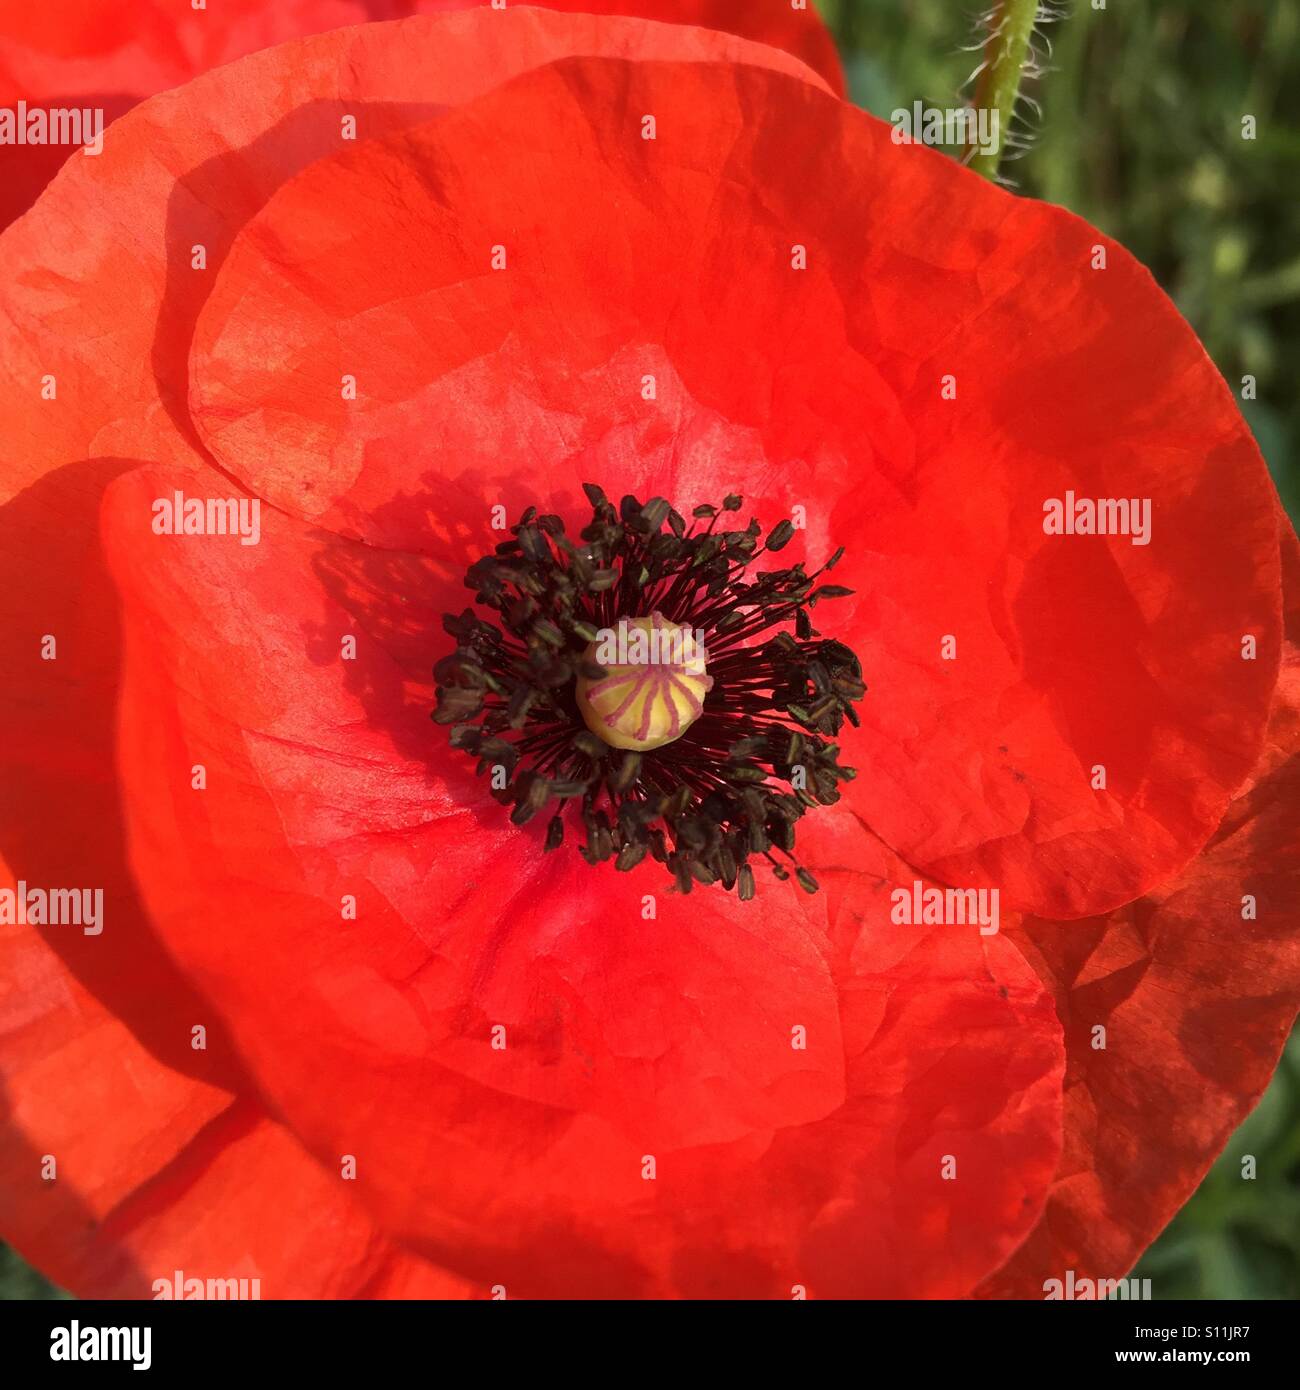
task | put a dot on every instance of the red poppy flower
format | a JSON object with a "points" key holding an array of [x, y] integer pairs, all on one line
{"points": [[349, 1027]]}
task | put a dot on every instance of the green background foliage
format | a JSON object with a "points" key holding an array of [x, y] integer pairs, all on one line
{"points": [[1141, 133]]}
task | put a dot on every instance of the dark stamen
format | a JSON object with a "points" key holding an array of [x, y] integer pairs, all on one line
{"points": [[733, 785]]}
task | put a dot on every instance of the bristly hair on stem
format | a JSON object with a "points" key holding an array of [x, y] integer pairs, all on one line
{"points": [[762, 753], [1015, 49]]}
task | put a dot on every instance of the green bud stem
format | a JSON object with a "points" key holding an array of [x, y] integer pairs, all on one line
{"points": [[999, 83]]}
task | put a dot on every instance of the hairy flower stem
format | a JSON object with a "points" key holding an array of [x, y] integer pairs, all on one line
{"points": [[1010, 29]]}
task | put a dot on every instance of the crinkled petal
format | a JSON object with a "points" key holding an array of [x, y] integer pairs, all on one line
{"points": [[95, 55], [145, 1171], [103, 284], [1175, 1009]]}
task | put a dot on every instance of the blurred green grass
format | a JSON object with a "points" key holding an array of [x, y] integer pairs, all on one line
{"points": [[1140, 134], [19, 1280]]}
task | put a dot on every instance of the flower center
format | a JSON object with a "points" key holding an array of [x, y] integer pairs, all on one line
{"points": [[647, 685], [654, 684]]}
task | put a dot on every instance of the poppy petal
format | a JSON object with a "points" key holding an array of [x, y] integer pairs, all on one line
{"points": [[107, 315], [60, 817], [150, 1171], [795, 29], [1176, 1009], [90, 54]]}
